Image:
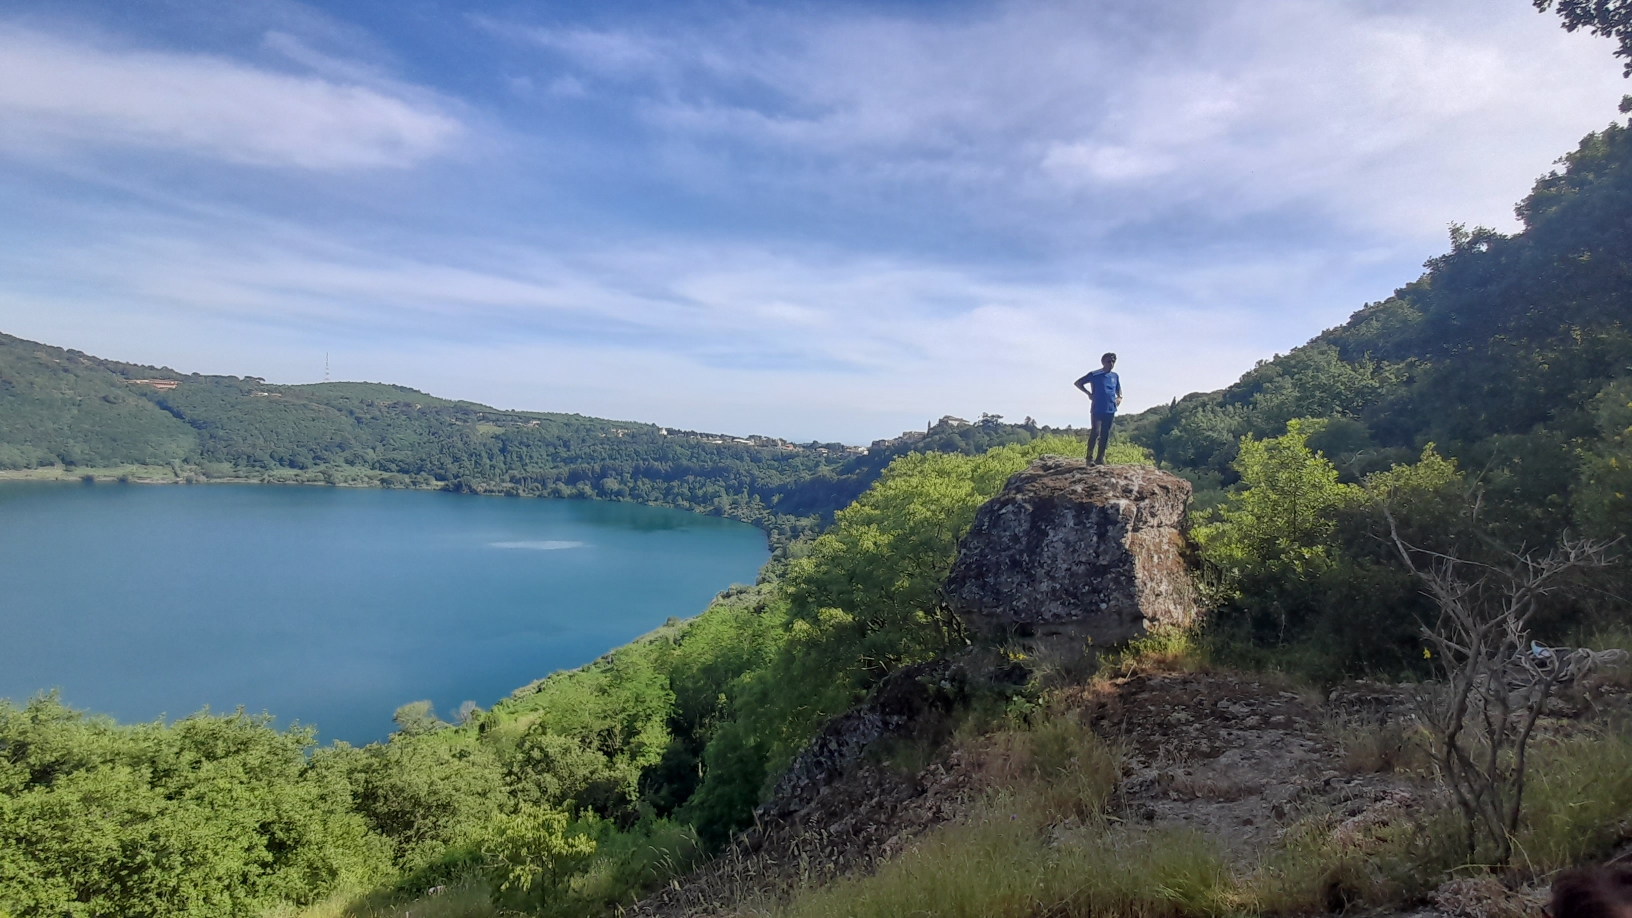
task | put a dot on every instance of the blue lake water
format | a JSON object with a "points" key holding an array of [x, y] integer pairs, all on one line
{"points": [[332, 606]]}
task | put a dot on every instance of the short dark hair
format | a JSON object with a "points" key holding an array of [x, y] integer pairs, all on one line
{"points": [[1108, 355], [1592, 892]]}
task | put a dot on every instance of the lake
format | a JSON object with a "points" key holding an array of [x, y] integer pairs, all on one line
{"points": [[332, 606]]}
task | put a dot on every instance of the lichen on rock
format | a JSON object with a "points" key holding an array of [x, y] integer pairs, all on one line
{"points": [[1071, 553]]}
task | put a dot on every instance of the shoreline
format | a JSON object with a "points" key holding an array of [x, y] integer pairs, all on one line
{"points": [[383, 481]]}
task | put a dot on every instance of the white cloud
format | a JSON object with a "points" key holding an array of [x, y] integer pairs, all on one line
{"points": [[1386, 118], [55, 92]]}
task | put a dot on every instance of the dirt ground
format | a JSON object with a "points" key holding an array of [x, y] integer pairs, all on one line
{"points": [[1238, 757]]}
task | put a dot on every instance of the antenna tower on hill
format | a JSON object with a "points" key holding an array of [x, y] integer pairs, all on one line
{"points": [[325, 366]]}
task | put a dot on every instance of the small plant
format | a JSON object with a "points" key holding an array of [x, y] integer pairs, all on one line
{"points": [[1163, 649], [1373, 746]]}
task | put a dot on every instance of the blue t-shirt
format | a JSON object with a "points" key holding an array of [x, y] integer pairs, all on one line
{"points": [[1105, 387]]}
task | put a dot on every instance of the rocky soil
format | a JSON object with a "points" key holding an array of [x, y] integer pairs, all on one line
{"points": [[1234, 756], [1238, 757]]}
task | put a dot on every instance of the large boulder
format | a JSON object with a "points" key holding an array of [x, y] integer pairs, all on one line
{"points": [[1071, 552]]}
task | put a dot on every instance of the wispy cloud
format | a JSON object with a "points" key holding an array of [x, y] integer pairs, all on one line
{"points": [[1390, 117], [56, 94]]}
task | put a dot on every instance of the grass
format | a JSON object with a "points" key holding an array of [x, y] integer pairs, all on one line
{"points": [[1039, 844], [1578, 802], [1324, 865], [1388, 746], [999, 865], [1162, 650], [1042, 844]]}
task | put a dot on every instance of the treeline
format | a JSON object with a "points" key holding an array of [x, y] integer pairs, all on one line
{"points": [[1509, 353], [64, 408]]}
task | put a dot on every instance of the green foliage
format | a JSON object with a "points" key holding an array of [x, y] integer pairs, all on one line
{"points": [[1301, 565], [1602, 497], [62, 407], [216, 815], [531, 847], [1284, 515], [1608, 18], [416, 717], [423, 792]]}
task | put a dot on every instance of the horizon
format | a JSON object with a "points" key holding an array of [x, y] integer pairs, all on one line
{"points": [[812, 222]]}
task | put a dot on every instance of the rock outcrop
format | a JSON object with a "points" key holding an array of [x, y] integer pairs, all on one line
{"points": [[1070, 553]]}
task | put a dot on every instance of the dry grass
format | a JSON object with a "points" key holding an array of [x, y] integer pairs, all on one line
{"points": [[1059, 767], [1372, 746], [1000, 865], [1039, 844], [1325, 864]]}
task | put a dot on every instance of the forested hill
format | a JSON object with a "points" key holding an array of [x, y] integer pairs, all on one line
{"points": [[1511, 353], [71, 411]]}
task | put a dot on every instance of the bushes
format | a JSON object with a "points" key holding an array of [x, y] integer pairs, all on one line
{"points": [[215, 814], [1298, 564]]}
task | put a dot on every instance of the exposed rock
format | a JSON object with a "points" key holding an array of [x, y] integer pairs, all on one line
{"points": [[901, 703], [1070, 552]]}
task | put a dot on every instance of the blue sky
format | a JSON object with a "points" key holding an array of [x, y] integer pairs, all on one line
{"points": [[828, 220]]}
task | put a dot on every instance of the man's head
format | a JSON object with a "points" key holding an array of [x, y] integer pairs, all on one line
{"points": [[1592, 892], [1107, 360]]}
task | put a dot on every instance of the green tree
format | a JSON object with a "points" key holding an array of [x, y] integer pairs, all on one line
{"points": [[1602, 498], [214, 815], [1285, 513], [531, 849]]}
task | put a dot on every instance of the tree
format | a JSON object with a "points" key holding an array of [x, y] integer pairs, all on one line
{"points": [[531, 848], [1285, 513], [1605, 18], [416, 717], [1496, 681]]}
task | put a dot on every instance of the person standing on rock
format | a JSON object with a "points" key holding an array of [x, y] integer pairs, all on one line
{"points": [[1105, 395]]}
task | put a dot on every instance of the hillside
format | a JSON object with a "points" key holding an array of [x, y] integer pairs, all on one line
{"points": [[67, 411], [1165, 790], [1511, 353]]}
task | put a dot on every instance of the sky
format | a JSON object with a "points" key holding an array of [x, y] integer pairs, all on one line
{"points": [[828, 220]]}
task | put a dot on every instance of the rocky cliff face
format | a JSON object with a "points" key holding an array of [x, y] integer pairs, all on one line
{"points": [[1070, 553]]}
